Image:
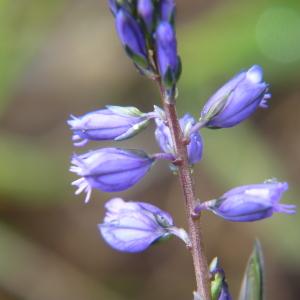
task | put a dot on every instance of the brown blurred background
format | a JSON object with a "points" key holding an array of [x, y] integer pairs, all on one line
{"points": [[59, 57]]}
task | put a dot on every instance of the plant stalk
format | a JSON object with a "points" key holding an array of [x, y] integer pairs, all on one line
{"points": [[187, 186]]}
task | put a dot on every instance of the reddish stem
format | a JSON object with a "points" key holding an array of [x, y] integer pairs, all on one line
{"points": [[187, 185]]}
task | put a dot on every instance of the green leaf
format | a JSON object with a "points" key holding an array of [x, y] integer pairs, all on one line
{"points": [[252, 286]]}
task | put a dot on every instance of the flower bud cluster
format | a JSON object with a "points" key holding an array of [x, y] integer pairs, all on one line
{"points": [[147, 33]]}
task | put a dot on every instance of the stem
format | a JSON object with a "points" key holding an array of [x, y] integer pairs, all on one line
{"points": [[163, 156], [187, 186]]}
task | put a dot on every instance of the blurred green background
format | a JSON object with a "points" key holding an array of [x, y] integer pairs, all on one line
{"points": [[59, 57]]}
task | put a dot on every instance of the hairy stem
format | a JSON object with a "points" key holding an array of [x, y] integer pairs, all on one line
{"points": [[187, 186]]}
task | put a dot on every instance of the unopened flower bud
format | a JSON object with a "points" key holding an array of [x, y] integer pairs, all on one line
{"points": [[250, 203], [145, 10], [112, 123], [219, 286], [164, 139], [166, 51], [134, 226], [110, 169], [132, 38], [236, 100], [167, 10]]}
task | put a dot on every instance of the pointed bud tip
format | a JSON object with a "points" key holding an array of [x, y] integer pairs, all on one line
{"points": [[255, 74]]}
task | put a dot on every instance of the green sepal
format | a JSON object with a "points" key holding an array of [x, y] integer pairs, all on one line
{"points": [[216, 286], [127, 111], [216, 108], [168, 78], [147, 72], [172, 18], [162, 221], [162, 239], [140, 153], [134, 130], [139, 60], [179, 69], [128, 5], [217, 279], [252, 286]]}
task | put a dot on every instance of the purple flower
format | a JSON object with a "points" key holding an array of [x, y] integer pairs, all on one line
{"points": [[219, 286], [109, 169], [132, 37], [145, 10], [167, 10], [166, 52], [250, 203], [164, 139], [237, 99], [112, 123], [134, 226]]}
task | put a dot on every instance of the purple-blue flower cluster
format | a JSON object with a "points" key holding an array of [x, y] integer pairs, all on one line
{"points": [[146, 29]]}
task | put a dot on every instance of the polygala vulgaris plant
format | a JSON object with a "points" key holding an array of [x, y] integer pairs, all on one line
{"points": [[146, 29]]}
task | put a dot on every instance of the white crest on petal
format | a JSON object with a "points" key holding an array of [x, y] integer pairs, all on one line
{"points": [[263, 193]]}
